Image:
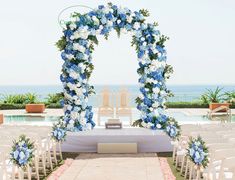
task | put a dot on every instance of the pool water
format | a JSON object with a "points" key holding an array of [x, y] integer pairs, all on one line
{"points": [[29, 119], [48, 120], [187, 119]]}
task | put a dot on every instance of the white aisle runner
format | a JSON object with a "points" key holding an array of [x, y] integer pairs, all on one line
{"points": [[92, 166]]}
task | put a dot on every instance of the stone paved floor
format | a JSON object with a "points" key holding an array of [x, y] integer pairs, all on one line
{"points": [[90, 166]]}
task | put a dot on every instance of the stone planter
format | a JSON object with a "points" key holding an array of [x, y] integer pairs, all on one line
{"points": [[213, 106], [35, 108], [1, 118]]}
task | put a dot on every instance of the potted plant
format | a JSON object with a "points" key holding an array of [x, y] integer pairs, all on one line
{"points": [[31, 104], [215, 99]]}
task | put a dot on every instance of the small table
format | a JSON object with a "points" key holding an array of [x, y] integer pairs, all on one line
{"points": [[113, 124]]}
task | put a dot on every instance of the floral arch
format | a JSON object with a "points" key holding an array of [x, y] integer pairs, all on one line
{"points": [[77, 45]]}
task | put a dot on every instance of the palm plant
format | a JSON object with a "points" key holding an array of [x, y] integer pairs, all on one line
{"points": [[30, 98], [54, 98], [212, 96], [230, 96], [19, 98]]}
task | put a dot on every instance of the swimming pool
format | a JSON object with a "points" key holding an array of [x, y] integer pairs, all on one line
{"points": [[48, 120]]}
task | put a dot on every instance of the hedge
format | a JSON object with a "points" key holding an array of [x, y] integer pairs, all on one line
{"points": [[5, 106]]}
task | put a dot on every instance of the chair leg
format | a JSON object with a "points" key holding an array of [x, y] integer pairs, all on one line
{"points": [[186, 169], [182, 165], [60, 151], [98, 119]]}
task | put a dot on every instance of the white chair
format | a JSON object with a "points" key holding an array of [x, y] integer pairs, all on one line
{"points": [[227, 165]]}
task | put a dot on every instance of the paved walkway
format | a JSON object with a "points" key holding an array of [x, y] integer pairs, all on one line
{"points": [[90, 166]]}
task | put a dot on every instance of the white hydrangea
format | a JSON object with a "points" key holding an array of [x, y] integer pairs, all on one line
{"points": [[156, 90], [73, 75], [141, 96]]}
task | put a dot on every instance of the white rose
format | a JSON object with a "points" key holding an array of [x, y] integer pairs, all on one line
{"points": [[136, 25], [144, 124], [70, 56], [109, 23], [155, 104], [72, 26], [123, 31], [149, 125], [129, 19], [159, 126], [156, 112]]}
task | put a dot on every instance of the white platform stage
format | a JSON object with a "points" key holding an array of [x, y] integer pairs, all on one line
{"points": [[147, 140]]}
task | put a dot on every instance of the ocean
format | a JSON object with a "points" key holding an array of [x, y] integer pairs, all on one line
{"points": [[181, 92]]}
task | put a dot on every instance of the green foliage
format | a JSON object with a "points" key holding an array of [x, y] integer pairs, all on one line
{"points": [[162, 40], [54, 98], [186, 105], [137, 123], [168, 71], [5, 106], [145, 12], [20, 98], [230, 96], [212, 96], [93, 39], [61, 43]]}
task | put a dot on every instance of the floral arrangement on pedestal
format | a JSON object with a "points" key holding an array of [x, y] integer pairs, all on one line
{"points": [[77, 45], [198, 152], [173, 129], [59, 131], [22, 152]]}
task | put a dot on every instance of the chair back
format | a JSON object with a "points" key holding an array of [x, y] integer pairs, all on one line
{"points": [[105, 98], [124, 95]]}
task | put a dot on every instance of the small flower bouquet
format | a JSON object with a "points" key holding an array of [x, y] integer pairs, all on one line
{"points": [[173, 129], [198, 152], [59, 131], [22, 152]]}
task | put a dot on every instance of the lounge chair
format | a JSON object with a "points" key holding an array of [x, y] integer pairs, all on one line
{"points": [[106, 109], [122, 107], [220, 112]]}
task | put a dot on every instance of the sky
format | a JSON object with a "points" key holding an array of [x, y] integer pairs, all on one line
{"points": [[201, 48]]}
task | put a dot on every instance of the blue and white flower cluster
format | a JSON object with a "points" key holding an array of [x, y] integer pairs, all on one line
{"points": [[59, 131], [77, 45], [198, 152], [173, 129], [22, 151]]}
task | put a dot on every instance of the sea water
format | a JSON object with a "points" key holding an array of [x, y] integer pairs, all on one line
{"points": [[187, 93]]}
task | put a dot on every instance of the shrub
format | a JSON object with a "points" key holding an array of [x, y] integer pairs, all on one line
{"points": [[186, 105], [5, 106], [54, 98], [20, 98]]}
